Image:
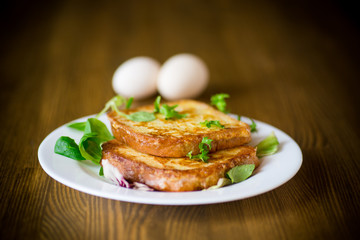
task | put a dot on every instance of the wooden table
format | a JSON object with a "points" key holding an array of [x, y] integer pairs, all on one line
{"points": [[294, 66]]}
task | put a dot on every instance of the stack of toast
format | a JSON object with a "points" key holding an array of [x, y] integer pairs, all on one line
{"points": [[155, 153]]}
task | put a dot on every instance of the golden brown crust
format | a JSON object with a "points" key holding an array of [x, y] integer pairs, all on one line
{"points": [[176, 138], [175, 174]]}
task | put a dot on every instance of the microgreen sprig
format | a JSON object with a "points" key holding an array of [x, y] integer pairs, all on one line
{"points": [[117, 101], [113, 104]]}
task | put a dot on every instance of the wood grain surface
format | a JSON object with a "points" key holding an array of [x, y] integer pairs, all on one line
{"points": [[292, 65]]}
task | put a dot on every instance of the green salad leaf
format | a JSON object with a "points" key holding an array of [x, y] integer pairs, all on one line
{"points": [[90, 147], [268, 146], [218, 100], [204, 147], [99, 129], [95, 134], [67, 147], [209, 123], [78, 126], [140, 116], [240, 173]]}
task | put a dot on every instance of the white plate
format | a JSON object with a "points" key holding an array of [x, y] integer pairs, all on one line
{"points": [[273, 171]]}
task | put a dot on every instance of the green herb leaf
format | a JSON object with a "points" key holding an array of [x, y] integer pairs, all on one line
{"points": [[96, 133], [268, 146], [101, 171], [253, 126], [204, 157], [206, 141], [67, 147], [204, 147], [97, 128], [117, 101], [218, 100], [170, 113], [141, 117], [113, 104], [90, 148], [78, 126], [240, 173], [208, 123], [129, 102], [157, 104]]}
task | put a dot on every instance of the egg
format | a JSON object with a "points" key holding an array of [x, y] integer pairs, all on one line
{"points": [[182, 76], [136, 77]]}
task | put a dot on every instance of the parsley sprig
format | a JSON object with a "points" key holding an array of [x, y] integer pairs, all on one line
{"points": [[218, 100], [168, 111], [204, 147], [209, 123], [252, 125]]}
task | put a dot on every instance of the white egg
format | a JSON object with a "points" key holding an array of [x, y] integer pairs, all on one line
{"points": [[182, 76], [136, 77]]}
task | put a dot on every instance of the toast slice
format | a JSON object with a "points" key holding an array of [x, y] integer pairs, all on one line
{"points": [[173, 174], [176, 138]]}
